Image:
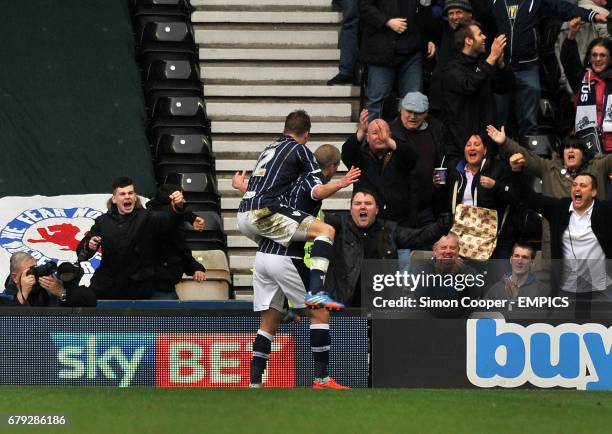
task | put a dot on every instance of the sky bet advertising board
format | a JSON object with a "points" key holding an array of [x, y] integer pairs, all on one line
{"points": [[185, 351]]}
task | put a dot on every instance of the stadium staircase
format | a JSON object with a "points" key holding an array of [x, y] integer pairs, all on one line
{"points": [[260, 60]]}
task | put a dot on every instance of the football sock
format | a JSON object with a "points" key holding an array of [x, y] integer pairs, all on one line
{"points": [[320, 342], [322, 250], [261, 352]]}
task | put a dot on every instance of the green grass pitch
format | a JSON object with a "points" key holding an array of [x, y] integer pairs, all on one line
{"points": [[106, 410]]}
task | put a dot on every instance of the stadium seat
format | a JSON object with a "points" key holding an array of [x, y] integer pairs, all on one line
{"points": [[193, 182], [213, 220], [193, 178], [160, 7], [207, 240], [167, 69], [418, 257], [216, 264], [183, 144], [154, 95], [179, 106], [171, 138], [178, 122], [541, 145], [200, 190], [189, 289], [173, 37], [162, 28], [147, 59]]}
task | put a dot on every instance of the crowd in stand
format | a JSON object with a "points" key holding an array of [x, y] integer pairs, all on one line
{"points": [[478, 84]]}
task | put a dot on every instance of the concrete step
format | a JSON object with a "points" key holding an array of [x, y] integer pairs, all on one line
{"points": [[269, 54], [259, 37], [243, 280], [281, 91], [241, 262], [245, 111], [239, 241], [244, 73], [219, 127], [231, 203], [301, 17], [238, 3], [234, 165], [226, 146]]}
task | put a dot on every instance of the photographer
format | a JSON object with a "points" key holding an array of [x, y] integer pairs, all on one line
{"points": [[29, 285]]}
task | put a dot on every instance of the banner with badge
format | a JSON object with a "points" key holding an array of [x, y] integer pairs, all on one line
{"points": [[49, 228]]}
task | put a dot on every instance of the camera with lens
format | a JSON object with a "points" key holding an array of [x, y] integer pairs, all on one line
{"points": [[39, 271], [67, 272]]}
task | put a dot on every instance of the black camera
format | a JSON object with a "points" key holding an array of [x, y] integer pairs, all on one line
{"points": [[70, 273], [66, 271], [43, 270]]}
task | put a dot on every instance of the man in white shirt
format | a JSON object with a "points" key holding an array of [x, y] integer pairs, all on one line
{"points": [[581, 234]]}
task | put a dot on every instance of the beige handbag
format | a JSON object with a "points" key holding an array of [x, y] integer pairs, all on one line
{"points": [[476, 228]]}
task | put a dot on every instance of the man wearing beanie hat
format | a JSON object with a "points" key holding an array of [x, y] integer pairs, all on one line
{"points": [[457, 11]]}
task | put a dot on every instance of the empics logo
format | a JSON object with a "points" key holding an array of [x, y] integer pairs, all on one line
{"points": [[567, 355], [220, 360], [103, 358]]}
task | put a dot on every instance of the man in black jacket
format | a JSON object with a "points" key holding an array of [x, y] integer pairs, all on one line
{"points": [[580, 230], [385, 168], [173, 257], [393, 44], [22, 288], [457, 11], [416, 128], [362, 235], [128, 235], [470, 80]]}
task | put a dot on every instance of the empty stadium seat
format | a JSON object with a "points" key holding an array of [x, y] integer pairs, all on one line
{"points": [[193, 182], [196, 175], [149, 58], [179, 106], [183, 144], [154, 95], [189, 289], [171, 139], [168, 69]]}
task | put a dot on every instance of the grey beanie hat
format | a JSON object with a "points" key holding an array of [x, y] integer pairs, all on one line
{"points": [[457, 4]]}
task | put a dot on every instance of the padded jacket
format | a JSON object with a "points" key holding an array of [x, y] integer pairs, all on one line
{"points": [[348, 257]]}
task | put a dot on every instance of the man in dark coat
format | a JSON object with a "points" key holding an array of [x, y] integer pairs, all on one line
{"points": [[362, 235], [393, 45], [470, 80], [385, 168], [128, 234]]}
